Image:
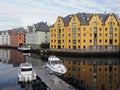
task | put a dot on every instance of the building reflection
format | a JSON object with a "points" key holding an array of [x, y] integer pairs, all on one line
{"points": [[5, 55], [101, 74], [16, 58], [34, 59]]}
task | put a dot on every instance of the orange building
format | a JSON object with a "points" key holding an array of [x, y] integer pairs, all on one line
{"points": [[17, 37]]}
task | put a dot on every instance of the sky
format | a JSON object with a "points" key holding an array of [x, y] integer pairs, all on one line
{"points": [[23, 13]]}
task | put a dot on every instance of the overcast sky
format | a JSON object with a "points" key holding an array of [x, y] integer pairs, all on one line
{"points": [[20, 13]]}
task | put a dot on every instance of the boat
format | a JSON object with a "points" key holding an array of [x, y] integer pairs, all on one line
{"points": [[55, 65], [24, 49], [26, 73]]}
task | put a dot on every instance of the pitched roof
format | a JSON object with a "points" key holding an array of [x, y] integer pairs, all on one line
{"points": [[84, 18], [42, 27], [20, 30], [66, 19]]}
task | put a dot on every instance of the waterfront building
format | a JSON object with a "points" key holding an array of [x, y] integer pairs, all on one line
{"points": [[0, 38], [37, 35], [17, 37], [5, 38], [86, 31]]}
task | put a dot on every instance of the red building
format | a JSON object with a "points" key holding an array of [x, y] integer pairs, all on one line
{"points": [[17, 37]]}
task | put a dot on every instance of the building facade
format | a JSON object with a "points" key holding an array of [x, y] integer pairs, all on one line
{"points": [[37, 34], [5, 38], [0, 38], [17, 37], [86, 31]]}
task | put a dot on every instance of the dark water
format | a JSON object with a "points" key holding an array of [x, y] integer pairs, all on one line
{"points": [[99, 74]]}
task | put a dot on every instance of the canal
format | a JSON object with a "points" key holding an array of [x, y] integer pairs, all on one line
{"points": [[96, 73]]}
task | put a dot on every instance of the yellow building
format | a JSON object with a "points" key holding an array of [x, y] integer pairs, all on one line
{"points": [[85, 31]]}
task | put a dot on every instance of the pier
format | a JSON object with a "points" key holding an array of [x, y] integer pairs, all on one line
{"points": [[51, 80]]}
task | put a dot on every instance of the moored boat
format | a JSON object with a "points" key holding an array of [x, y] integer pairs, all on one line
{"points": [[55, 65], [26, 73]]}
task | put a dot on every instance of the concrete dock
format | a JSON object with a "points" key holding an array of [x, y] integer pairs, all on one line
{"points": [[52, 81]]}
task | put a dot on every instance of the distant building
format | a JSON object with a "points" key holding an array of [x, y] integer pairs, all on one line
{"points": [[86, 31], [0, 38], [17, 37], [37, 34], [5, 38]]}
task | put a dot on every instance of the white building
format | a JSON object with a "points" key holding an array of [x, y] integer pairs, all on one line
{"points": [[5, 38], [0, 38], [37, 34]]}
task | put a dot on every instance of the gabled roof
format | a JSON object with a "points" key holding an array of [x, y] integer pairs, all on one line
{"points": [[20, 30], [42, 27], [66, 19], [84, 18]]}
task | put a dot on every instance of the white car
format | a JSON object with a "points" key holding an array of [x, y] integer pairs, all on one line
{"points": [[26, 73]]}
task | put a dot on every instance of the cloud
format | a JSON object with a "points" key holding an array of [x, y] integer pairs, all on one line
{"points": [[15, 13]]}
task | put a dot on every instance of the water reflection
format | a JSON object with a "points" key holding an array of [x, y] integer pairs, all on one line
{"points": [[101, 74]]}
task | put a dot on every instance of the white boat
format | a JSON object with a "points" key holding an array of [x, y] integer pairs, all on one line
{"points": [[24, 49], [55, 65], [26, 73]]}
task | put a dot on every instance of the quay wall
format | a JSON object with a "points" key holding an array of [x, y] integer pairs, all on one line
{"points": [[72, 53]]}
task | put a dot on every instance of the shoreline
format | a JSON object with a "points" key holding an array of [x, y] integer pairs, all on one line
{"points": [[71, 53]]}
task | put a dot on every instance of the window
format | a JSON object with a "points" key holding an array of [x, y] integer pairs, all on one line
{"points": [[59, 35], [79, 34], [115, 40], [84, 28], [69, 41], [74, 25], [111, 36], [100, 29], [62, 30], [84, 47], [115, 29], [100, 34], [111, 41], [90, 41], [78, 46], [111, 30], [59, 26], [90, 34], [74, 41], [74, 35], [73, 29], [59, 41], [69, 35], [95, 24], [84, 41], [106, 41], [78, 29], [59, 30], [100, 40], [95, 30], [84, 34], [115, 34], [78, 41], [68, 29], [105, 29]]}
